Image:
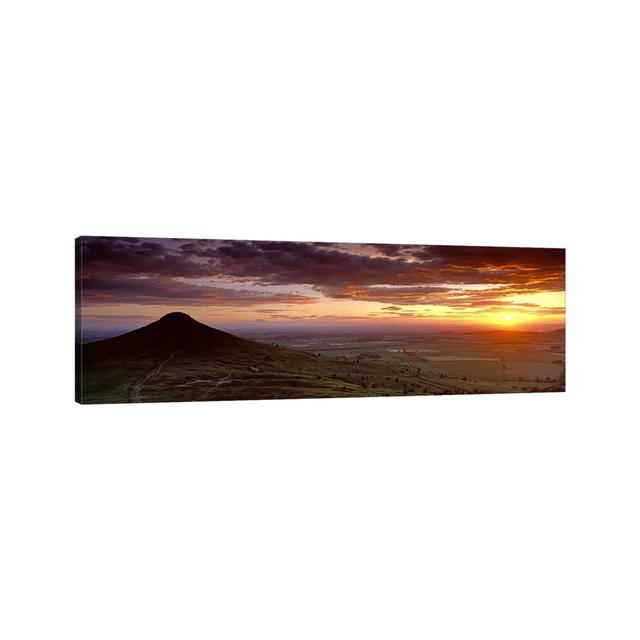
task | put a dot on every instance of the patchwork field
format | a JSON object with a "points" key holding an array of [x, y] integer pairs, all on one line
{"points": [[492, 361]]}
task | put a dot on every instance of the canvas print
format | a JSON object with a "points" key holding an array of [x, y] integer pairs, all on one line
{"points": [[169, 320]]}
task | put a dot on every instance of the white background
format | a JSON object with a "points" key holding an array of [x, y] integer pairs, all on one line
{"points": [[497, 517]]}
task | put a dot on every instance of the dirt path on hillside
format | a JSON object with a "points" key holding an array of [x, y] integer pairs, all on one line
{"points": [[136, 395], [216, 383]]}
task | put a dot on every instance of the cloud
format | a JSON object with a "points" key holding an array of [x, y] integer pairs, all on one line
{"points": [[124, 316], [161, 271], [168, 291]]}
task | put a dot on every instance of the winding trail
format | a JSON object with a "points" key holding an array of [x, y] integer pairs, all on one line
{"points": [[224, 380], [136, 395]]}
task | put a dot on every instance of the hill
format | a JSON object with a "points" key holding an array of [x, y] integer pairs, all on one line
{"points": [[173, 332], [173, 358], [177, 359]]}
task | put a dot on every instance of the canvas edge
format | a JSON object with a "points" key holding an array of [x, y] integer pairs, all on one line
{"points": [[78, 320]]}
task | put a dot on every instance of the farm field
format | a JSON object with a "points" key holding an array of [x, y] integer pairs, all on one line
{"points": [[460, 362]]}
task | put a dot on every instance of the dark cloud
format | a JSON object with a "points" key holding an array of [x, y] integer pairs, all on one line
{"points": [[126, 316], [167, 291], [126, 257], [392, 250], [446, 257]]}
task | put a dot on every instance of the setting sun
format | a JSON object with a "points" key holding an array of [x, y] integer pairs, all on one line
{"points": [[508, 320]]}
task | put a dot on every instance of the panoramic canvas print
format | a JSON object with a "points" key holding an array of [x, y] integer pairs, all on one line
{"points": [[172, 320]]}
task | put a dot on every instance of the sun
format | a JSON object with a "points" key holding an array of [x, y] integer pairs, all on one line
{"points": [[504, 320]]}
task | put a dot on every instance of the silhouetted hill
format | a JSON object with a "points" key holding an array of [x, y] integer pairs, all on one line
{"points": [[174, 332]]}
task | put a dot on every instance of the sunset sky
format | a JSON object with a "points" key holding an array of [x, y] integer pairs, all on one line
{"points": [[238, 284]]}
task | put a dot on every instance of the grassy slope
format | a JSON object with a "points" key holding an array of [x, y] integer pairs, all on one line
{"points": [[289, 374], [178, 359], [283, 373]]}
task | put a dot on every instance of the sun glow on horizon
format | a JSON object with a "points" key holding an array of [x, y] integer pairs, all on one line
{"points": [[510, 319]]}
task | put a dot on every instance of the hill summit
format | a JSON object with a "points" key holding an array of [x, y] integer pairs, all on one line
{"points": [[176, 317]]}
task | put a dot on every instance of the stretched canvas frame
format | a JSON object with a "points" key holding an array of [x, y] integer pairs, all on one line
{"points": [[161, 319]]}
